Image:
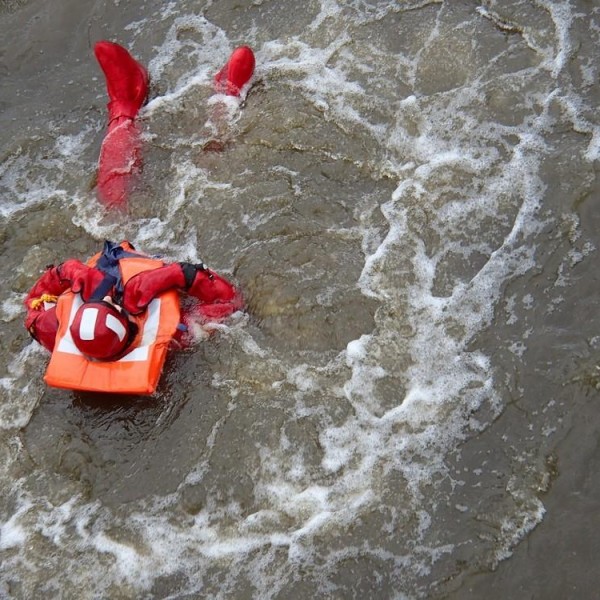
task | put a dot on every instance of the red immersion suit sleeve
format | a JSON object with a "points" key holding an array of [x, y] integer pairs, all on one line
{"points": [[40, 304], [143, 287], [81, 278], [218, 298]]}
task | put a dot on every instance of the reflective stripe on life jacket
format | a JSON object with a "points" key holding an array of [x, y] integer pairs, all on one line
{"points": [[138, 371]]}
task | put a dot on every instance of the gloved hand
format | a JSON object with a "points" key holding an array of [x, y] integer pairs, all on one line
{"points": [[40, 306], [142, 288], [81, 278], [42, 325], [218, 299], [206, 285]]}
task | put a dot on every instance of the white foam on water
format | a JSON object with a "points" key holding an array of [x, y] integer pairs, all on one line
{"points": [[37, 191], [12, 533], [22, 189], [21, 390], [12, 308], [208, 54]]}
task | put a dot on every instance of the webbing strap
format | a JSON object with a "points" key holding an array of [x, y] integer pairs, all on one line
{"points": [[103, 289]]}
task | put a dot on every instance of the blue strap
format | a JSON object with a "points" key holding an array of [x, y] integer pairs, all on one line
{"points": [[103, 289], [108, 263], [111, 255]]}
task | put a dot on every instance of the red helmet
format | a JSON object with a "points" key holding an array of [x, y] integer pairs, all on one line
{"points": [[100, 330]]}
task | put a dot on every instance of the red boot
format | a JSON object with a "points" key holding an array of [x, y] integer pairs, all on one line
{"points": [[236, 73], [126, 80], [120, 155]]}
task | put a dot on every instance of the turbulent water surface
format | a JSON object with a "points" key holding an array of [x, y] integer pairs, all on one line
{"points": [[408, 199]]}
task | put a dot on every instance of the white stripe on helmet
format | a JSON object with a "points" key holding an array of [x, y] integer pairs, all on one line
{"points": [[116, 326], [88, 323]]}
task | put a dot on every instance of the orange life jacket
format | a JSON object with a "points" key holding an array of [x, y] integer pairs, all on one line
{"points": [[138, 371]]}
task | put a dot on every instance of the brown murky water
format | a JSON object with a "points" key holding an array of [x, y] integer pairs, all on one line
{"points": [[409, 406]]}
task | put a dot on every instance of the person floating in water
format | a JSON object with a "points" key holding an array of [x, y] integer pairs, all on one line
{"points": [[127, 81], [108, 323]]}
